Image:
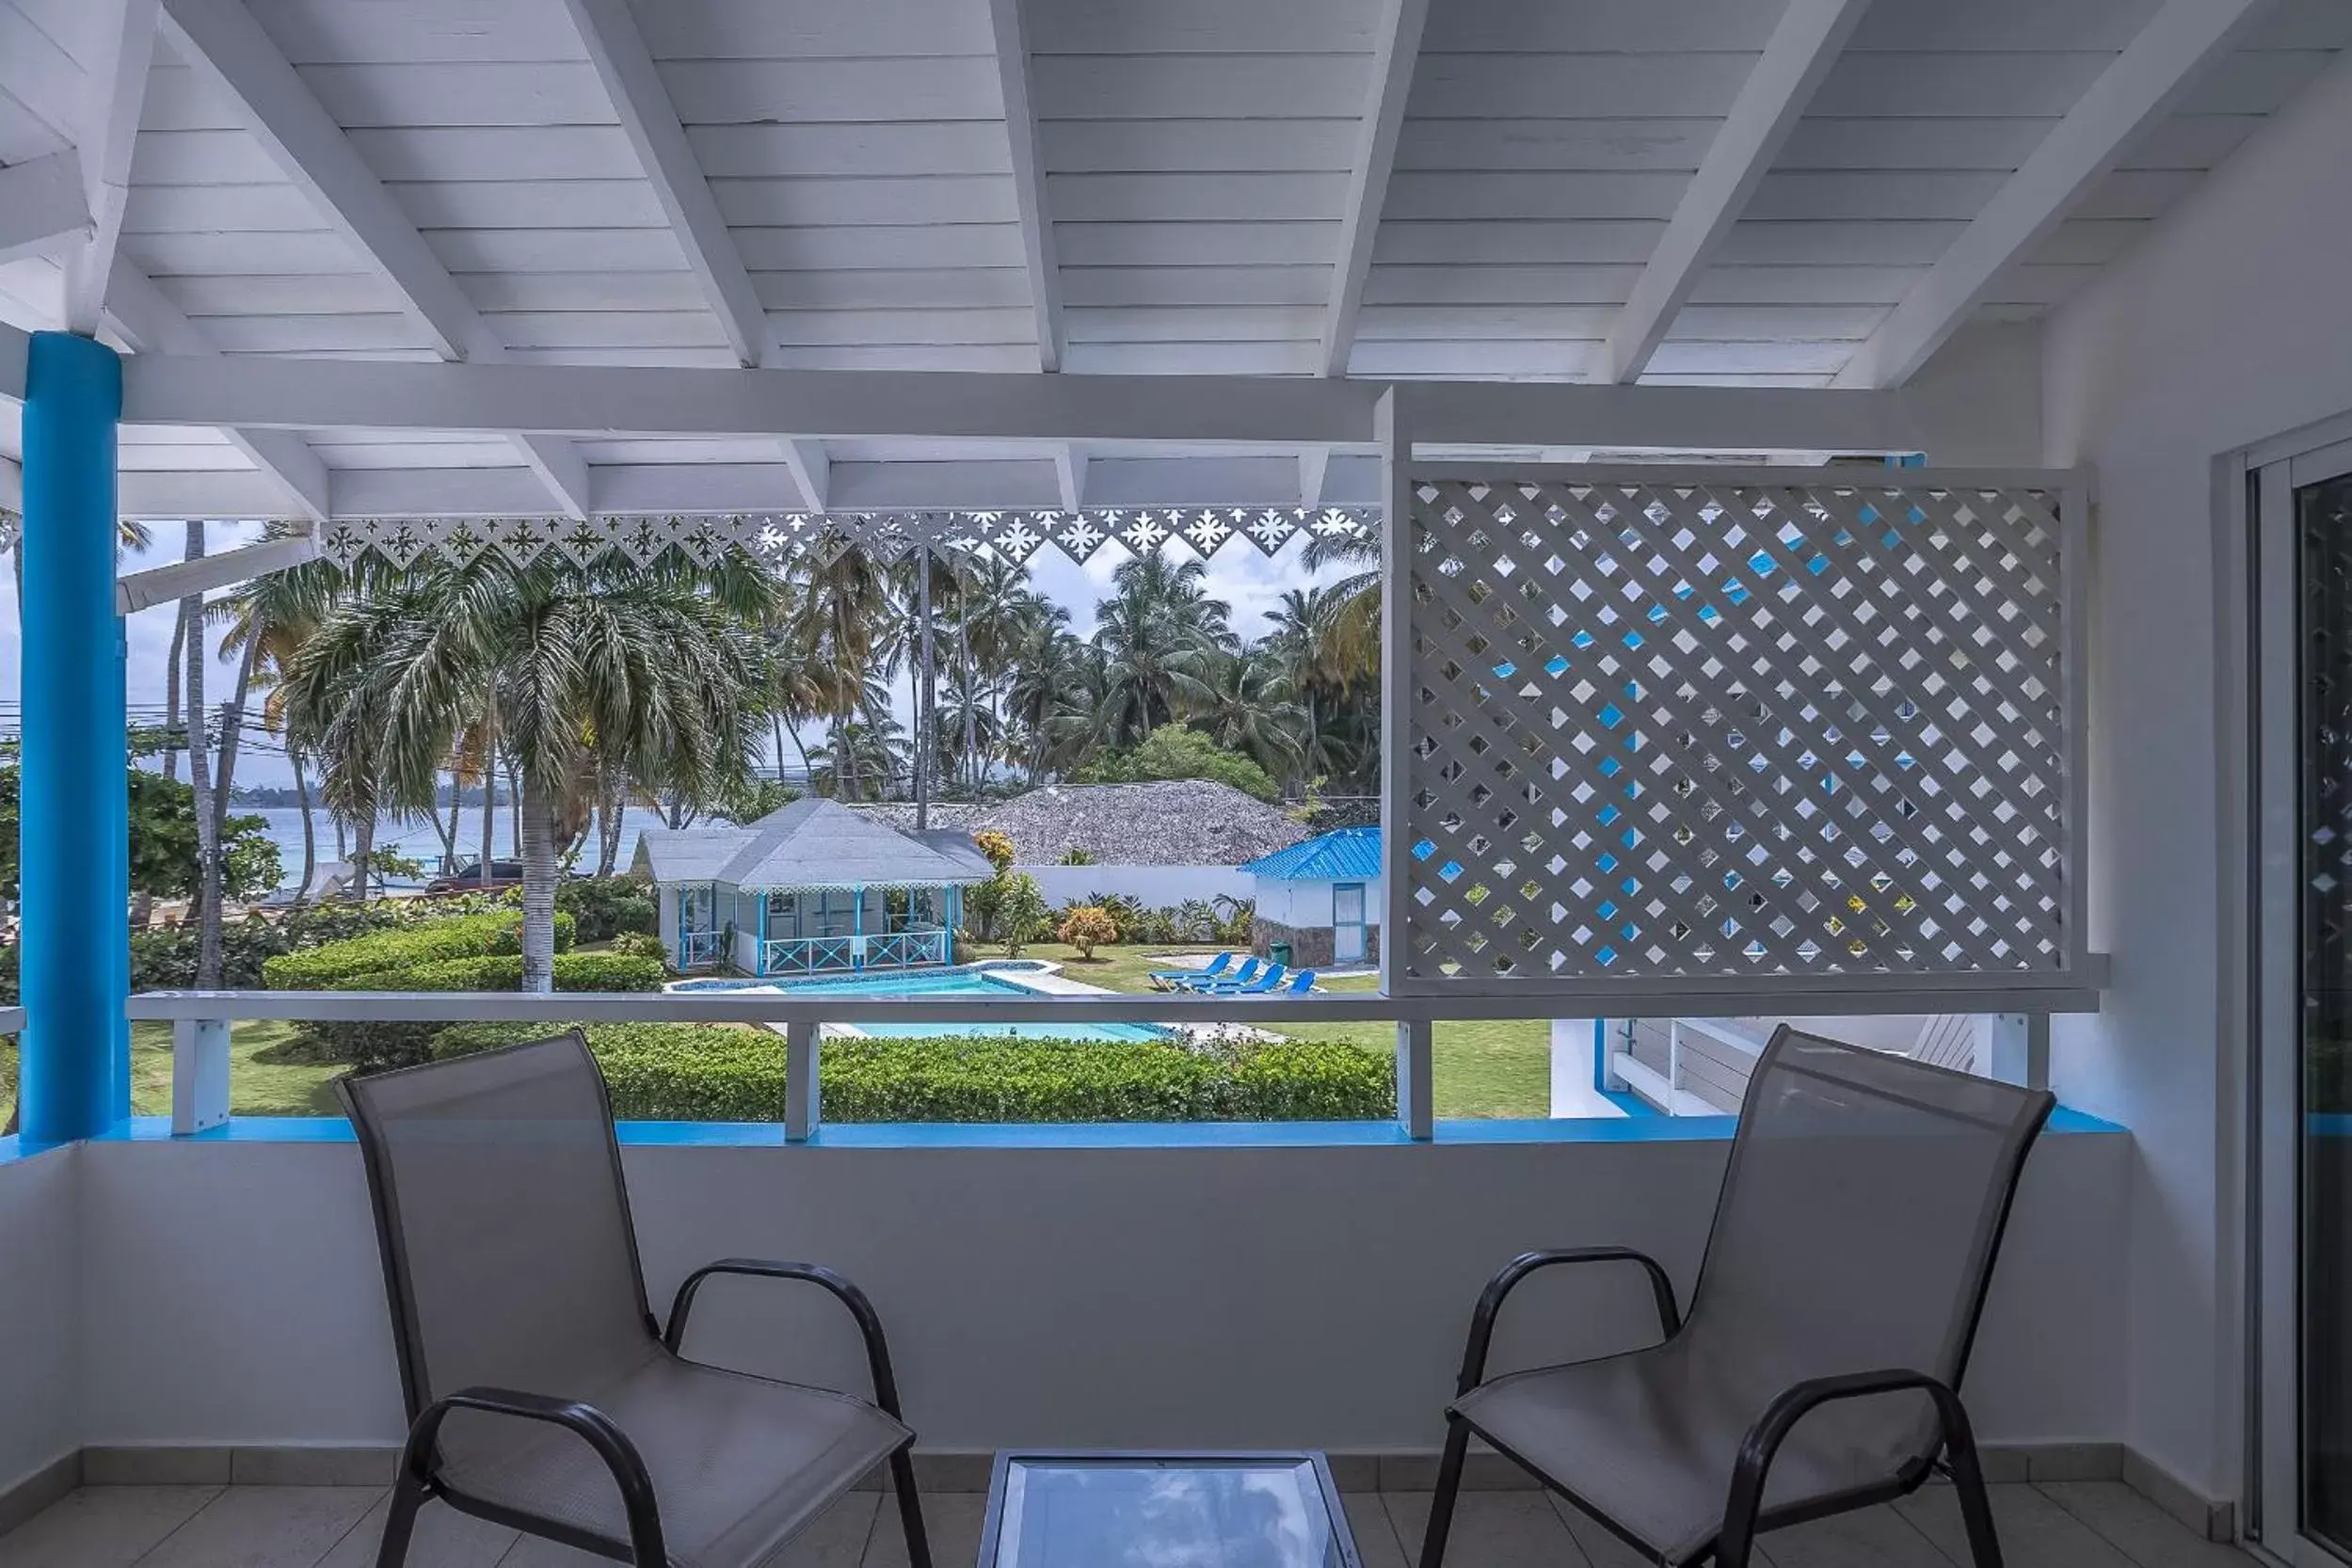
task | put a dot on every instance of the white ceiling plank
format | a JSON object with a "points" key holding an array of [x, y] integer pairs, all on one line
{"points": [[1807, 41], [42, 205], [1069, 476], [109, 122], [619, 52], [1398, 47], [2143, 84], [811, 470], [1028, 178], [221, 40], [1313, 469], [150, 324]]}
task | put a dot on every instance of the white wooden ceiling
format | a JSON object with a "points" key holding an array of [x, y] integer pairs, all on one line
{"points": [[1178, 189]]}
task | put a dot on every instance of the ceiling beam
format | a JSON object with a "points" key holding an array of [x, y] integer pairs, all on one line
{"points": [[623, 63], [113, 94], [148, 323], [1313, 469], [221, 40], [811, 470], [1069, 476], [2144, 82], [1028, 178], [42, 204], [1804, 45], [1268, 412], [1399, 48], [142, 590]]}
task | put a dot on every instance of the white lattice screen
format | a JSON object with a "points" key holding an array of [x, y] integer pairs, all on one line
{"points": [[1680, 723]]}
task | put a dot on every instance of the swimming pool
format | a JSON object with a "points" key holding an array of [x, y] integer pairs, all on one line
{"points": [[936, 982]]}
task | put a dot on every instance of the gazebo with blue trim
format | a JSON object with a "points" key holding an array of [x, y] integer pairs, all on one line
{"points": [[814, 889], [1320, 900]]}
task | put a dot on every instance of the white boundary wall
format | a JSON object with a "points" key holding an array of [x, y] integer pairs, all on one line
{"points": [[1155, 886], [2225, 328], [1128, 1297]]}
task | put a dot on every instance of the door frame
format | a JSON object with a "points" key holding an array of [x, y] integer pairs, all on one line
{"points": [[1363, 922], [2258, 642]]}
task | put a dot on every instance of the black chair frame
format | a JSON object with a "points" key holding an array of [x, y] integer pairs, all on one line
{"points": [[1745, 1516], [419, 1480]]}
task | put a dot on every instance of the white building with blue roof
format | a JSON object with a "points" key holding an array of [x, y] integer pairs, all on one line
{"points": [[1320, 900]]}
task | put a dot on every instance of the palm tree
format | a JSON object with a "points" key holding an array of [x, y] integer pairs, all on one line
{"points": [[1249, 709], [1159, 633], [848, 630], [264, 625], [652, 670]]}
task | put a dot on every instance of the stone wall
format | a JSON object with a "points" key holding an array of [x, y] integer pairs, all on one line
{"points": [[1310, 946]]}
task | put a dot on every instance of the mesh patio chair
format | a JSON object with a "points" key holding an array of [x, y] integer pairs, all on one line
{"points": [[541, 1392], [1818, 1368]]}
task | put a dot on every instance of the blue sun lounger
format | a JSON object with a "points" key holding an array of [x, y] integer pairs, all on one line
{"points": [[1241, 986], [1216, 968], [1251, 969]]}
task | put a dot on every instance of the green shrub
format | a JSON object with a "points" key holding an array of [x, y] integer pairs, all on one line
{"points": [[406, 946], [712, 1072], [1178, 751], [639, 944], [606, 906]]}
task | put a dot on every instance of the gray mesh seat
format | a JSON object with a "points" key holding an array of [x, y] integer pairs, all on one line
{"points": [[1818, 1369], [541, 1391]]}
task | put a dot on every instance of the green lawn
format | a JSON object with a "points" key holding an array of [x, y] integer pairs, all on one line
{"points": [[1482, 1069], [267, 1076]]}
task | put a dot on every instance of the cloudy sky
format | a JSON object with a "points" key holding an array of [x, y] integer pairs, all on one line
{"points": [[1251, 583]]}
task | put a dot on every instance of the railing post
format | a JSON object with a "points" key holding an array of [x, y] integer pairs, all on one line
{"points": [[200, 1074], [801, 1096], [1415, 1105], [1674, 1066], [2021, 1050]]}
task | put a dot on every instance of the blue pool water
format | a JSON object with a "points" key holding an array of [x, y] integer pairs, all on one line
{"points": [[934, 983]]}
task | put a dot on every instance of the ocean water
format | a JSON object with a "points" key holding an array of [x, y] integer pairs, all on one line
{"points": [[418, 840]]}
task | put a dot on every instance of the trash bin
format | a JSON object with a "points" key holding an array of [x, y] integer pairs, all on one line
{"points": [[1280, 954]]}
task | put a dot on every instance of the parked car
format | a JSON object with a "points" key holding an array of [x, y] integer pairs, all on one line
{"points": [[468, 878]]}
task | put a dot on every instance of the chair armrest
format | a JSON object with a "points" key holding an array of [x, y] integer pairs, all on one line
{"points": [[1745, 1502], [1505, 1281], [584, 1420], [869, 1322]]}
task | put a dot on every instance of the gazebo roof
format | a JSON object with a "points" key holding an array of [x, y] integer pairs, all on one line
{"points": [[813, 843], [1708, 193]]}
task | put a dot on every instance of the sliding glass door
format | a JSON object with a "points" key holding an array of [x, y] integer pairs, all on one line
{"points": [[2302, 509]]}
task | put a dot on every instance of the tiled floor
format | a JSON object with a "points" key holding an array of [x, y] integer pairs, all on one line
{"points": [[2052, 1524]]}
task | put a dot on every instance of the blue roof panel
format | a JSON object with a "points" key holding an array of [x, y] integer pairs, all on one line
{"points": [[1344, 854]]}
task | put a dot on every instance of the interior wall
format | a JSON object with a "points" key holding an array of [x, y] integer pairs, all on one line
{"points": [[2231, 324], [39, 1269], [1108, 1297]]}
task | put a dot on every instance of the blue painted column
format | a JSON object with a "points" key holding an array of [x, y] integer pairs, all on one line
{"points": [[75, 805]]}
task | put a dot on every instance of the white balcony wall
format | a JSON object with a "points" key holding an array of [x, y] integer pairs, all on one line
{"points": [[39, 1267], [2227, 325], [1136, 1297]]}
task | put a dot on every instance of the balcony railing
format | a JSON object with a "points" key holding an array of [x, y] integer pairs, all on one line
{"points": [[700, 950], [896, 949], [2018, 1051]]}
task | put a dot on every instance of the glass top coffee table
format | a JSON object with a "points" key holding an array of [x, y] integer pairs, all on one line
{"points": [[1098, 1510]]}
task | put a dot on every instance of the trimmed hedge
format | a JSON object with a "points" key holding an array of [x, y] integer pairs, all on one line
{"points": [[712, 1072], [327, 967], [373, 1044]]}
